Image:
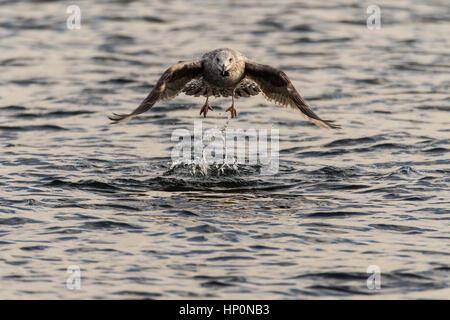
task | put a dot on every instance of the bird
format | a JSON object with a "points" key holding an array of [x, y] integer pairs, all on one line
{"points": [[225, 72]]}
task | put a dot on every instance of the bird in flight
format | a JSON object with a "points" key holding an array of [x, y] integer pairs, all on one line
{"points": [[225, 72]]}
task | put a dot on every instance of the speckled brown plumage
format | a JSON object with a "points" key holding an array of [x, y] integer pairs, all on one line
{"points": [[226, 73]]}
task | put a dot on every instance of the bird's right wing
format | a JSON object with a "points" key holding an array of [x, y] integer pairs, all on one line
{"points": [[275, 85], [169, 85]]}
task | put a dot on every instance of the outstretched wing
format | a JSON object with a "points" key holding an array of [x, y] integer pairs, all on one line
{"points": [[275, 85], [168, 86]]}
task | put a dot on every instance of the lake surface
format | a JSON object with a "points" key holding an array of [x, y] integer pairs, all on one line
{"points": [[78, 192]]}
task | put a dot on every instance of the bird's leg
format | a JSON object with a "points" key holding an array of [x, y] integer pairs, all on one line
{"points": [[206, 107], [232, 109]]}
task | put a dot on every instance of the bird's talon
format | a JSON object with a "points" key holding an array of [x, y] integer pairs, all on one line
{"points": [[206, 107], [233, 111]]}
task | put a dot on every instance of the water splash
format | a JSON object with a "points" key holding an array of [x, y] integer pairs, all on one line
{"points": [[202, 166]]}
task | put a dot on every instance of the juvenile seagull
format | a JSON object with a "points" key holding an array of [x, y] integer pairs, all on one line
{"points": [[225, 72]]}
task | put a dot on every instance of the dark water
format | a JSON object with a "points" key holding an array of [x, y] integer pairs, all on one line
{"points": [[76, 191]]}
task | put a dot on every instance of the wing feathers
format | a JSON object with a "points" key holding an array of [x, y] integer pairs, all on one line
{"points": [[276, 86], [168, 86]]}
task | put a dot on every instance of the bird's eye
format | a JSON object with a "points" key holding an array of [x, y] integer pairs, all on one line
{"points": [[230, 59], [217, 59]]}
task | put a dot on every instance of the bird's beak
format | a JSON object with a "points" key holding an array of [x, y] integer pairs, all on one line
{"points": [[224, 71]]}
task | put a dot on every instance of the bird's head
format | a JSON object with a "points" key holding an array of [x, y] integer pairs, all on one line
{"points": [[224, 60]]}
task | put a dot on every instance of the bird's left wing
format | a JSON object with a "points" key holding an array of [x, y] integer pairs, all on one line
{"points": [[275, 85], [168, 86]]}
